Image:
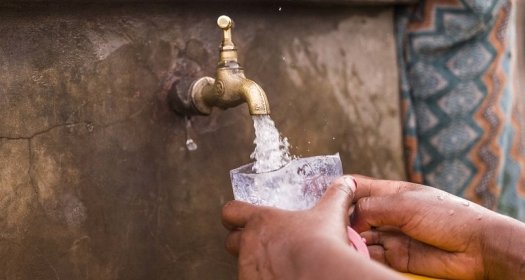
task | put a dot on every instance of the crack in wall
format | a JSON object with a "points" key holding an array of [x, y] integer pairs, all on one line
{"points": [[42, 131], [29, 138], [31, 172], [73, 124], [32, 179]]}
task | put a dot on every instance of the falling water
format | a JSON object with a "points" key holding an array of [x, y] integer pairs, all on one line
{"points": [[278, 179], [271, 150], [190, 144]]}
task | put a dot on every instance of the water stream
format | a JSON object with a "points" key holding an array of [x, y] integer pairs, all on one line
{"points": [[278, 179], [271, 150]]}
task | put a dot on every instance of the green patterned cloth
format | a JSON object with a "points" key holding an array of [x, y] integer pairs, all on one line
{"points": [[463, 128]]}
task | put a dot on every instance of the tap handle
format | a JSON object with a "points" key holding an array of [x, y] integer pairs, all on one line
{"points": [[225, 22], [228, 52]]}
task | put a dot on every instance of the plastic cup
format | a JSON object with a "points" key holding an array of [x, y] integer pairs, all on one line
{"points": [[296, 186]]}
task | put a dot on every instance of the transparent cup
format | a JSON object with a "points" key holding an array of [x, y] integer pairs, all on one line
{"points": [[296, 186]]}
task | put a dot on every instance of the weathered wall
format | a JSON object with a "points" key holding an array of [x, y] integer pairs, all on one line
{"points": [[95, 180], [316, 2]]}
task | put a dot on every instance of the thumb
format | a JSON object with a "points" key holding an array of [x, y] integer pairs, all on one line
{"points": [[339, 195]]}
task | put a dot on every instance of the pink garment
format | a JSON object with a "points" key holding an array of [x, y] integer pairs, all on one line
{"points": [[358, 242]]}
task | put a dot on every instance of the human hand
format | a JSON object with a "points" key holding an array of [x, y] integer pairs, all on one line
{"points": [[423, 230], [309, 244]]}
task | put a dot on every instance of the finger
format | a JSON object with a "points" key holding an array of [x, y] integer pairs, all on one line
{"points": [[233, 241], [367, 187], [406, 211], [405, 254], [427, 260], [395, 245], [373, 237], [372, 212], [377, 253], [415, 213], [235, 214], [390, 248], [338, 197]]}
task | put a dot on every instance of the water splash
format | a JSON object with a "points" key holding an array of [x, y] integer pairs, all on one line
{"points": [[296, 186], [278, 179], [271, 150]]}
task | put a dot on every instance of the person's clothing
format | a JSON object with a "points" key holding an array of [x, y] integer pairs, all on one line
{"points": [[463, 130]]}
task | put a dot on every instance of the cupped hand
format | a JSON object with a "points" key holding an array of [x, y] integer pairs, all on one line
{"points": [[310, 244], [422, 230]]}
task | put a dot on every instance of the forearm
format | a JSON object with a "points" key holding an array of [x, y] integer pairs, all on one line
{"points": [[331, 260], [504, 248]]}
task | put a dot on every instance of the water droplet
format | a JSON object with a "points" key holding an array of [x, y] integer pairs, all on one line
{"points": [[465, 203], [280, 9], [191, 145], [440, 197], [451, 212]]}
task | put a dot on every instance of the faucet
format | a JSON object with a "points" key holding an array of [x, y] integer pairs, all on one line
{"points": [[228, 89]]}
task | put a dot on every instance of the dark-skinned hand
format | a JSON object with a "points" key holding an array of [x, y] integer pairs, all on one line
{"points": [[423, 230], [311, 244]]}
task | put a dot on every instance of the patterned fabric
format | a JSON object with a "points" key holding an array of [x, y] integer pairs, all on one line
{"points": [[463, 127]]}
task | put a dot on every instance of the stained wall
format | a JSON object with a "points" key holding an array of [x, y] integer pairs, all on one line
{"points": [[95, 178]]}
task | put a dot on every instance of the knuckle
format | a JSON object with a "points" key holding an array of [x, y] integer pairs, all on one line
{"points": [[362, 205], [402, 186], [345, 188]]}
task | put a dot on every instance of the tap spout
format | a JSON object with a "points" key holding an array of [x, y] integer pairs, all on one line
{"points": [[228, 91], [255, 98]]}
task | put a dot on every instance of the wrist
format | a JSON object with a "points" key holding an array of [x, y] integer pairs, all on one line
{"points": [[503, 248]]}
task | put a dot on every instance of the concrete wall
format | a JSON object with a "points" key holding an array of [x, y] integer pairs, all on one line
{"points": [[95, 180]]}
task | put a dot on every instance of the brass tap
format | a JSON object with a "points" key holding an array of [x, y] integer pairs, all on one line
{"points": [[230, 87]]}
